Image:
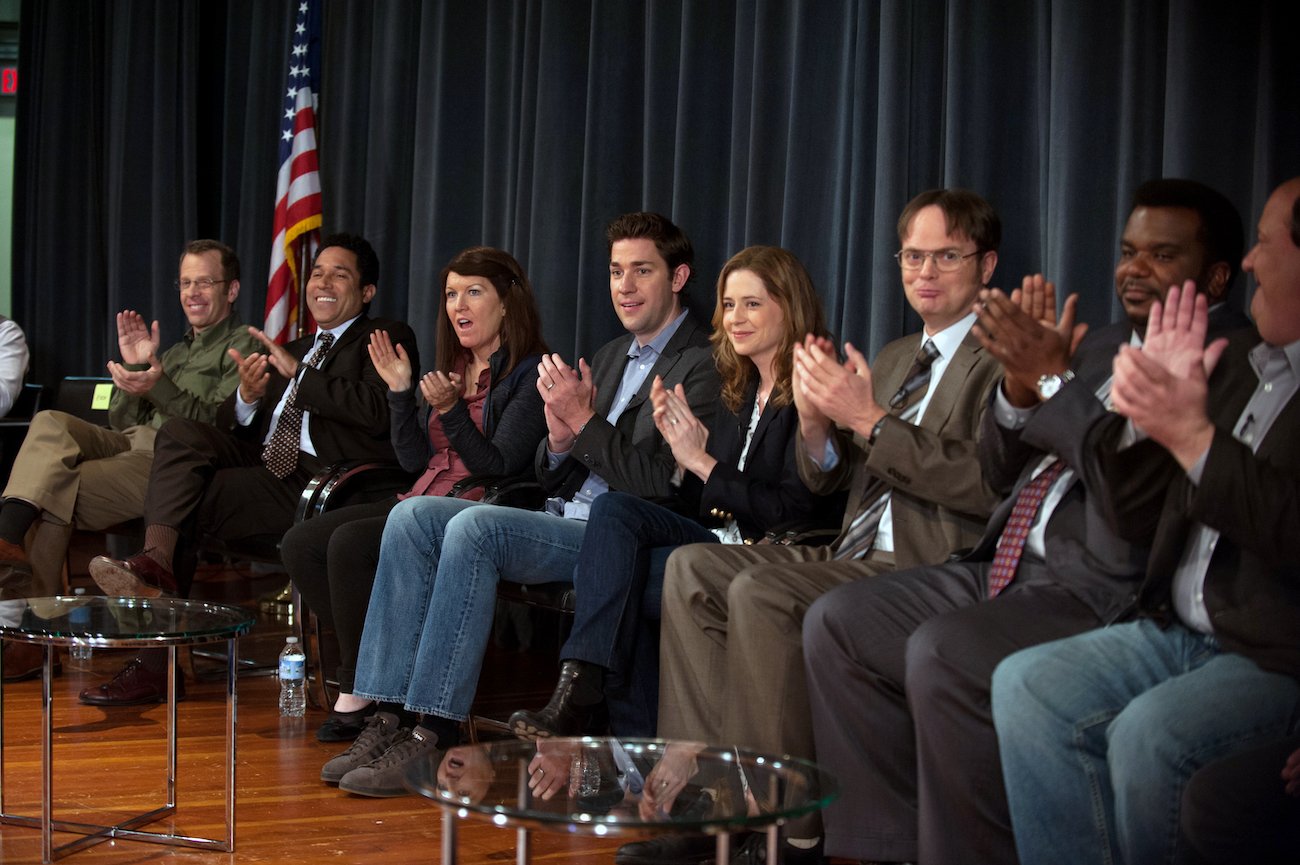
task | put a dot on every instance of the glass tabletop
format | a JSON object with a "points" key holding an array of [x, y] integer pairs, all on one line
{"points": [[125, 622], [609, 786]]}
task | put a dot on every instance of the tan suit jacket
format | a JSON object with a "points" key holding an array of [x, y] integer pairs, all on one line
{"points": [[940, 498]]}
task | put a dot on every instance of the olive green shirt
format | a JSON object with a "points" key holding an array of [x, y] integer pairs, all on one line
{"points": [[198, 375]]}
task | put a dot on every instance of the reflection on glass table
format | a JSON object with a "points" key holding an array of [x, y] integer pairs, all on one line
{"points": [[619, 786]]}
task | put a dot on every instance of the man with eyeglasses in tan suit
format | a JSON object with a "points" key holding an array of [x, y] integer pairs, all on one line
{"points": [[900, 435], [73, 474]]}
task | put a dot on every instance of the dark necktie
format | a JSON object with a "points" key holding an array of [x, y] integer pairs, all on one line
{"points": [[280, 455], [1011, 546], [861, 533]]}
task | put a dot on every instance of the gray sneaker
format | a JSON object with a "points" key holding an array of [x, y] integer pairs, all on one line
{"points": [[381, 731], [385, 775]]}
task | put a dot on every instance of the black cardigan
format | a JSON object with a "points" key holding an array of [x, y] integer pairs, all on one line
{"points": [[513, 423]]}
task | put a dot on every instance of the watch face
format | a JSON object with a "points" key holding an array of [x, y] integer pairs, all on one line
{"points": [[1048, 385]]}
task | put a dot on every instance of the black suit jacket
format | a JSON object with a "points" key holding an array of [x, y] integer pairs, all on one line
{"points": [[1252, 586], [631, 455], [346, 397], [768, 494]]}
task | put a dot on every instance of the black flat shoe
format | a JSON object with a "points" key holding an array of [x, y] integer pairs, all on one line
{"points": [[668, 850], [344, 726]]}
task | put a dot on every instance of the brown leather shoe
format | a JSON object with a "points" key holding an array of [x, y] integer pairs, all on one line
{"points": [[136, 577], [23, 661], [135, 684], [15, 572]]}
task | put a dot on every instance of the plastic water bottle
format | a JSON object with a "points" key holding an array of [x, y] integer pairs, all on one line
{"points": [[293, 674], [80, 650]]}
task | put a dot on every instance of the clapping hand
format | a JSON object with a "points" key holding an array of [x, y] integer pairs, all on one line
{"points": [[391, 362], [681, 429], [276, 355], [442, 390], [1024, 334], [136, 341], [1162, 386]]}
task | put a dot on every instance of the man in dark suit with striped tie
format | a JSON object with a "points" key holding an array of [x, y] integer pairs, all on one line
{"points": [[899, 667], [298, 408]]}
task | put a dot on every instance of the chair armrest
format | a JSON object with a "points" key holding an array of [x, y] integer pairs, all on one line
{"points": [[347, 483], [800, 533], [520, 491]]}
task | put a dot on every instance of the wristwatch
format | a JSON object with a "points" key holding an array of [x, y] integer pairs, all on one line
{"points": [[1048, 385]]}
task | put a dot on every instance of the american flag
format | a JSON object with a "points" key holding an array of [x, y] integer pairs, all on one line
{"points": [[297, 189]]}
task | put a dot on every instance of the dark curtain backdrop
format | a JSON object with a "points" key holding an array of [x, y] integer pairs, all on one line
{"points": [[528, 125]]}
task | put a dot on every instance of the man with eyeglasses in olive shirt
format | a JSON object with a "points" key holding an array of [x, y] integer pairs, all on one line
{"points": [[73, 474]]}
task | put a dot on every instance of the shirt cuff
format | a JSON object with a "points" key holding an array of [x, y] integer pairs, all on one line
{"points": [[1130, 436], [830, 457], [244, 411], [1007, 415]]}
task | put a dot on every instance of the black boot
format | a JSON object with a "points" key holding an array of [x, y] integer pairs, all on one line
{"points": [[577, 706]]}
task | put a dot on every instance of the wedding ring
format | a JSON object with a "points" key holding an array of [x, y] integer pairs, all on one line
{"points": [[550, 385], [673, 421]]}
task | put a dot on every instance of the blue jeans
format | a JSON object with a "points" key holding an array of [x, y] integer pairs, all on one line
{"points": [[619, 585], [431, 607], [1099, 733]]}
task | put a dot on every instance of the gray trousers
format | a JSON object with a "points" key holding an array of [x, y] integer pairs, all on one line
{"points": [[898, 673]]}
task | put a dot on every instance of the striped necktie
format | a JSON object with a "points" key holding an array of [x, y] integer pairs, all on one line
{"points": [[280, 455], [905, 404]]}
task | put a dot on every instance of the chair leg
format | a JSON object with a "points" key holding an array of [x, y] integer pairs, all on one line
{"points": [[308, 626]]}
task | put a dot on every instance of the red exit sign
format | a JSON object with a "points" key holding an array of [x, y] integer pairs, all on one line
{"points": [[8, 81]]}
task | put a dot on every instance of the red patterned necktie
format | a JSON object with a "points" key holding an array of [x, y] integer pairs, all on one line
{"points": [[1011, 546], [280, 455]]}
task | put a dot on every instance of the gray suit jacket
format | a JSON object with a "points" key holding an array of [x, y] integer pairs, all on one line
{"points": [[630, 454], [940, 497], [1082, 548]]}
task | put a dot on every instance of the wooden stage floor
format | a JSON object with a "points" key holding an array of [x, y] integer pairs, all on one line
{"points": [[110, 764]]}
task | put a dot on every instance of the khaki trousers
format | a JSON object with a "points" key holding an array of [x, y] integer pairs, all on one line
{"points": [[731, 651], [82, 476]]}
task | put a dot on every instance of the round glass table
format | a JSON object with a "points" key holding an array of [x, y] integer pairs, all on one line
{"points": [[123, 623], [596, 786]]}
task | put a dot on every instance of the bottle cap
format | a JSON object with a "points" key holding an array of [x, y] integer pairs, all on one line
{"points": [[291, 640]]}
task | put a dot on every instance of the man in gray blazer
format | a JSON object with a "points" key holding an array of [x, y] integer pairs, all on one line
{"points": [[899, 434], [899, 667]]}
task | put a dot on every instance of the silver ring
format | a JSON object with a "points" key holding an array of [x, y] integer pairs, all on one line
{"points": [[551, 385], [541, 772], [673, 421]]}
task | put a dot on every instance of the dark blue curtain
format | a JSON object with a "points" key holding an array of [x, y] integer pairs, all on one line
{"points": [[528, 125]]}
